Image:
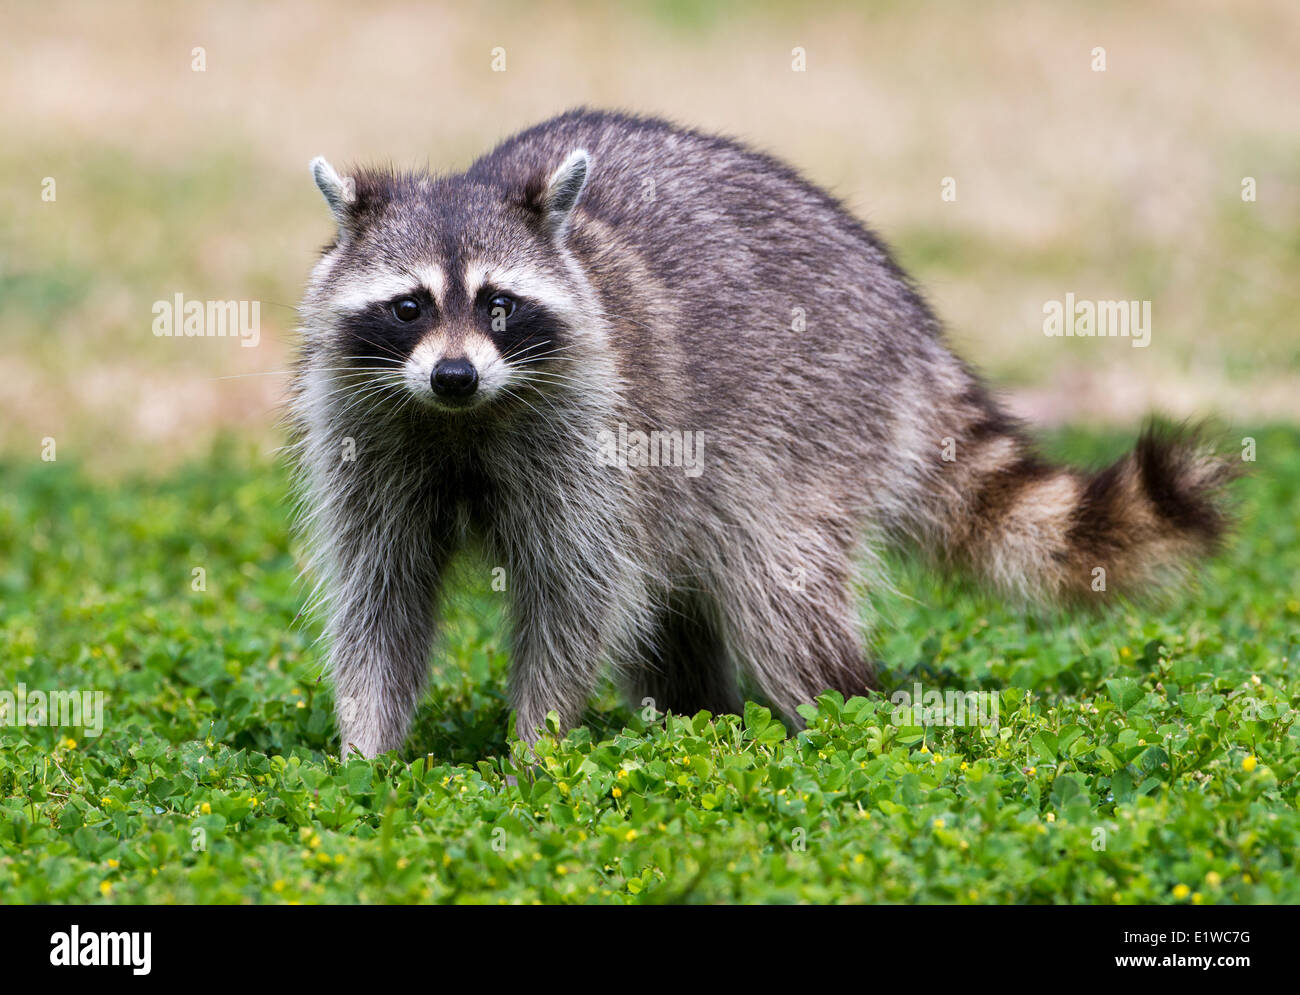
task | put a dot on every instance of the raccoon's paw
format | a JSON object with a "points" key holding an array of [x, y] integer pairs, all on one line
{"points": [[367, 743]]}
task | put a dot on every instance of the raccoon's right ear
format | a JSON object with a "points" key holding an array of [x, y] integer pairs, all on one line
{"points": [[340, 191], [558, 196]]}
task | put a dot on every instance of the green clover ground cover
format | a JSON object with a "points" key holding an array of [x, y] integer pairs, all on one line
{"points": [[1150, 755]]}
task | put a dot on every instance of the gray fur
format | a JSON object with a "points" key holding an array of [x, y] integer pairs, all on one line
{"points": [[696, 286]]}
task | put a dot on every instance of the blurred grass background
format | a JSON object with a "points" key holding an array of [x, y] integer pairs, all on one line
{"points": [[1123, 184]]}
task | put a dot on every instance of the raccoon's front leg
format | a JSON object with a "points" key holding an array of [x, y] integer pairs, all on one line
{"points": [[564, 607], [380, 630], [555, 661]]}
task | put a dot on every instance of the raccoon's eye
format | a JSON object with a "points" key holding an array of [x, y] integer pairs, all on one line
{"points": [[406, 309], [504, 303]]}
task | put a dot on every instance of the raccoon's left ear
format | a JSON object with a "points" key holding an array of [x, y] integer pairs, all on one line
{"points": [[556, 201], [340, 191]]}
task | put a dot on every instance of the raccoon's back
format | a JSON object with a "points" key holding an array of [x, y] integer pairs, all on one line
{"points": [[740, 238], [743, 301]]}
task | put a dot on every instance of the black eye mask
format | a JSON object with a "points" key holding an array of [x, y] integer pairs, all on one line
{"points": [[526, 335], [376, 333]]}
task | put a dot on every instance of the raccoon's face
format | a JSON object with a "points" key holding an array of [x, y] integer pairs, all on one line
{"points": [[444, 296]]}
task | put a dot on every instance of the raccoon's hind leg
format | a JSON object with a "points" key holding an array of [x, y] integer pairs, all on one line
{"points": [[792, 622], [683, 664]]}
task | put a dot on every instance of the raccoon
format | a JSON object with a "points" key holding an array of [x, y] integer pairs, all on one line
{"points": [[488, 357]]}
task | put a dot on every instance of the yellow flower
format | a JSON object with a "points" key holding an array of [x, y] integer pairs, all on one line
{"points": [[278, 887], [112, 863], [937, 758], [1051, 816], [858, 858], [205, 808], [1181, 891], [1196, 898], [1125, 652], [105, 888], [69, 744], [1213, 879], [617, 792], [301, 704], [1249, 763], [938, 823], [622, 775], [965, 765], [630, 835], [561, 869]]}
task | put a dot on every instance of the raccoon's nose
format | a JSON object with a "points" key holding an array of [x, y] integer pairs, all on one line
{"points": [[455, 378]]}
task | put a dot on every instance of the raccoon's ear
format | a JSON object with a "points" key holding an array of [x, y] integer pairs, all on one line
{"points": [[340, 191], [560, 195]]}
